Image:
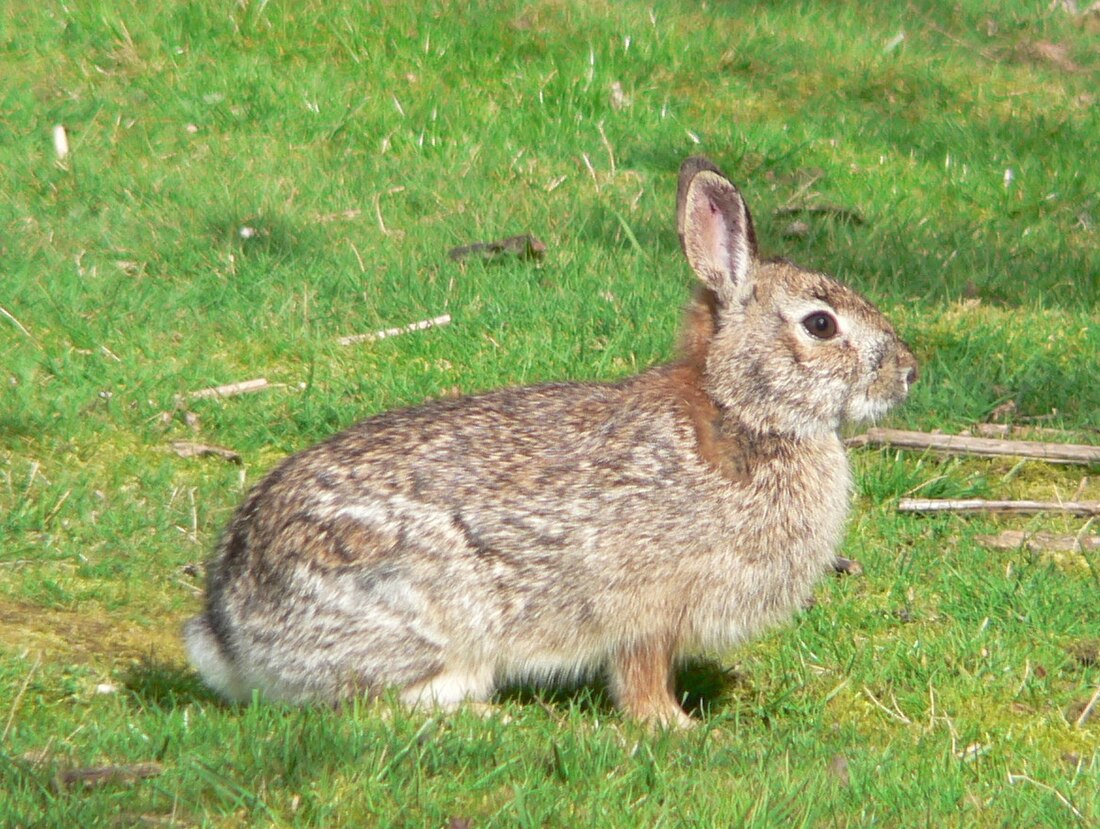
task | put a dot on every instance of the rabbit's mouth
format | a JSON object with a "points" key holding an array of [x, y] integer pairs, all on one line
{"points": [[888, 389], [867, 409]]}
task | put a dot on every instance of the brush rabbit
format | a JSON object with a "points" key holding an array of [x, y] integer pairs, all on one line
{"points": [[553, 531]]}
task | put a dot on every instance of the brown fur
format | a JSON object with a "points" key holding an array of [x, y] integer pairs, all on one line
{"points": [[643, 684]]}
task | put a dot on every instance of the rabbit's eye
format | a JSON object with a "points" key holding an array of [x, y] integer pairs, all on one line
{"points": [[820, 325]]}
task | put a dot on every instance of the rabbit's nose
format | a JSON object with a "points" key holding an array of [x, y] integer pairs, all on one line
{"points": [[911, 377]]}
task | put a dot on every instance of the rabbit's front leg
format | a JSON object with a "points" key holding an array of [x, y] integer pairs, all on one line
{"points": [[643, 686]]}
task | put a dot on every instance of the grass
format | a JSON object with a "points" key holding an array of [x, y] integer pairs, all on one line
{"points": [[359, 142]]}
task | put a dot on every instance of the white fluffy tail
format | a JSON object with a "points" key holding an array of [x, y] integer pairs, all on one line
{"points": [[206, 654]]}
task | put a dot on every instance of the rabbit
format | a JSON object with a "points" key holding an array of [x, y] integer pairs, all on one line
{"points": [[556, 531]]}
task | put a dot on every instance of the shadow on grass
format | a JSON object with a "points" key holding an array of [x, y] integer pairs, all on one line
{"points": [[702, 685], [267, 234], [166, 686]]}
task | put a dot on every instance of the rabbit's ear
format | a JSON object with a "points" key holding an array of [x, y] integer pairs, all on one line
{"points": [[715, 228]]}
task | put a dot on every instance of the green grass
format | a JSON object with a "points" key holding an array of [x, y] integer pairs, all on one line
{"points": [[360, 142]]}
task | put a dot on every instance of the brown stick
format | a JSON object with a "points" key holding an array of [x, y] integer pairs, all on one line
{"points": [[434, 322], [988, 447], [982, 505], [1052, 542], [231, 389]]}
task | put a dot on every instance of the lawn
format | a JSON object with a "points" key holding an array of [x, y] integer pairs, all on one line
{"points": [[202, 193]]}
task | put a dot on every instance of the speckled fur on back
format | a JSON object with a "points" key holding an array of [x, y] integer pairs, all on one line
{"points": [[553, 531]]}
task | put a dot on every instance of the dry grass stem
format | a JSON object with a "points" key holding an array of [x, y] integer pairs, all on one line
{"points": [[1039, 541], [188, 449], [1087, 712], [19, 698], [1023, 778], [422, 325], [231, 389], [894, 713], [8, 314], [99, 775]]}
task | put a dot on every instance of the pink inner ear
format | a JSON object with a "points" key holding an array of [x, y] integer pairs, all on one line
{"points": [[715, 234]]}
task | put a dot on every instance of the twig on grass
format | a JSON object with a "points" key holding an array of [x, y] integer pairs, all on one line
{"points": [[607, 146], [98, 775], [1081, 486], [969, 47], [895, 713], [987, 447], [195, 589], [8, 314], [378, 209], [1051, 542], [231, 389], [261, 383], [982, 505], [434, 322], [550, 712], [19, 698], [189, 449], [591, 170], [1080, 723], [1023, 778], [56, 507]]}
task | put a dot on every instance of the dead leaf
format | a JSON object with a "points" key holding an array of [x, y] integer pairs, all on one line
{"points": [[1087, 652], [838, 769], [619, 99], [38, 757], [1003, 412], [796, 230], [847, 566], [1055, 54]]}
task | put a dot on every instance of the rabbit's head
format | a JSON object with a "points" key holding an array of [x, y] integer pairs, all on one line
{"points": [[784, 350]]}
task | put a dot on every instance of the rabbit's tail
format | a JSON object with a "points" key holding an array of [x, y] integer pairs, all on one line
{"points": [[209, 658]]}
